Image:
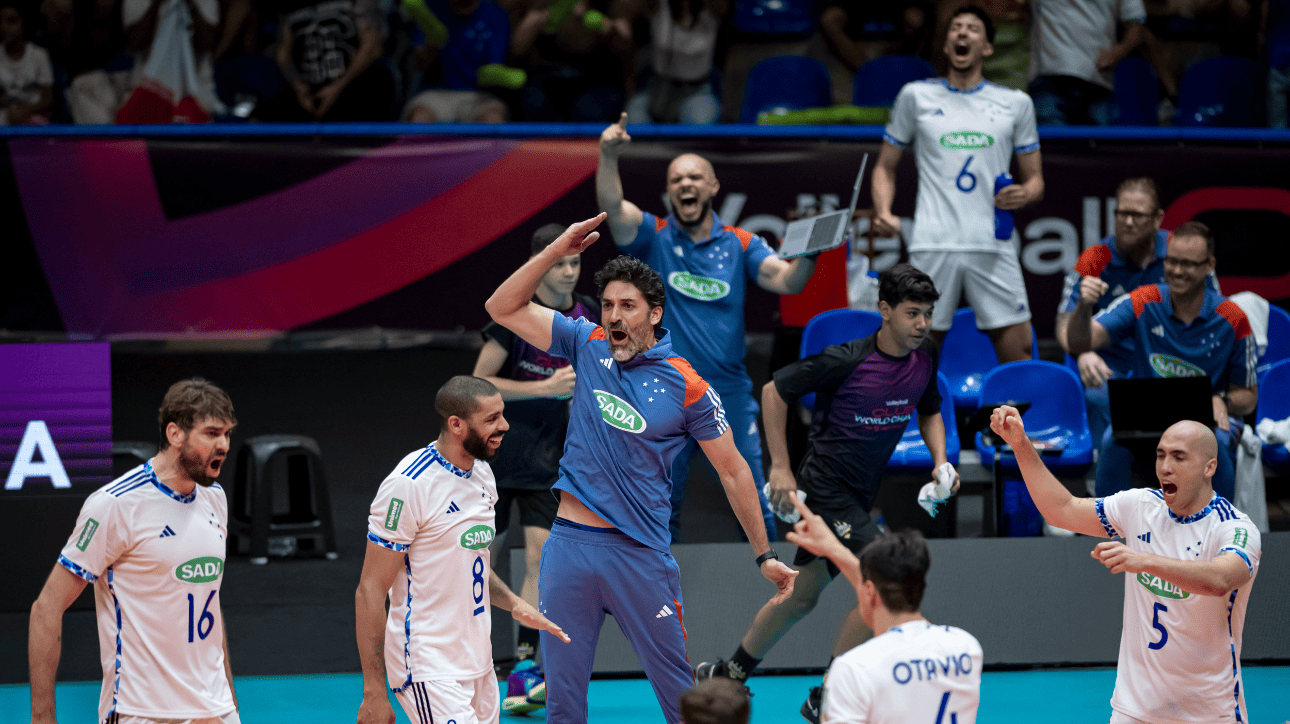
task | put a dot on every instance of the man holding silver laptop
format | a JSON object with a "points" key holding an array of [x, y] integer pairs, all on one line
{"points": [[706, 266]]}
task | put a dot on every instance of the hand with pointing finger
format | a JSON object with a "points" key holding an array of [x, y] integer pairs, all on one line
{"points": [[614, 138]]}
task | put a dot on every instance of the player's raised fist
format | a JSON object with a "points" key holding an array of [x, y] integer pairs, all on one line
{"points": [[1006, 423], [1091, 289], [612, 139]]}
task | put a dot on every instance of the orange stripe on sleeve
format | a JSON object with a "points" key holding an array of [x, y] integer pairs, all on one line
{"points": [[597, 333], [659, 224], [1235, 316], [1142, 296], [1093, 261], [695, 386], [745, 238]]}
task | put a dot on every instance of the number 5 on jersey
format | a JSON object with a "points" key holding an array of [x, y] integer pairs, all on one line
{"points": [[1155, 624]]}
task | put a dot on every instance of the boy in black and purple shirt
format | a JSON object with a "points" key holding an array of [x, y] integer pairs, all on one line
{"points": [[866, 392]]}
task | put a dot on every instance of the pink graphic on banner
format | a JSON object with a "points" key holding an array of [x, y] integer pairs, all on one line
{"points": [[117, 265]]}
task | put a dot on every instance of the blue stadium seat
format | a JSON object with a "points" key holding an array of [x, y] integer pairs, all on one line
{"points": [[1278, 340], [1274, 404], [788, 82], [1056, 415], [775, 17], [1137, 93], [967, 355], [912, 456], [1222, 91], [836, 326], [880, 80]]}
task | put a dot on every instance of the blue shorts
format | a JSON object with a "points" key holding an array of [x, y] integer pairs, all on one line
{"points": [[590, 572]]}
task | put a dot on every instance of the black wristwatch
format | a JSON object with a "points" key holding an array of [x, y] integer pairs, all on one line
{"points": [[768, 555]]}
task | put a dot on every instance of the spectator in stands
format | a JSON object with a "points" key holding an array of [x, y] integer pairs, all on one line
{"points": [[1073, 52], [328, 50], [683, 45], [859, 32], [86, 38], [173, 76], [460, 57], [1183, 327], [26, 76], [1131, 257], [574, 54], [715, 701], [1274, 45]]}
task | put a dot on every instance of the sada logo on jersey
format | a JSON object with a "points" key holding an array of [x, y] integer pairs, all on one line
{"points": [[697, 287], [1167, 365], [618, 413], [1161, 587], [967, 140], [477, 537], [200, 570]]}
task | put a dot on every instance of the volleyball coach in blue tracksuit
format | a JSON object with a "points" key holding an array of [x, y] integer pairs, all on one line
{"points": [[633, 405]]}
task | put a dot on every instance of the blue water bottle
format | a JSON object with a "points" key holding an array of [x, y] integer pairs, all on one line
{"points": [[1002, 217]]}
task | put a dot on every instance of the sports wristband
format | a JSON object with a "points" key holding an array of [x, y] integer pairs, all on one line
{"points": [[768, 555]]}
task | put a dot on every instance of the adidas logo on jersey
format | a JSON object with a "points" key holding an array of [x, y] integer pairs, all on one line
{"points": [[939, 112], [452, 508], [1145, 537], [608, 362], [166, 533], [665, 612], [1158, 330]]}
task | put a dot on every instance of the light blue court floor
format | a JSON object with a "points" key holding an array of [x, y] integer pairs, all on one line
{"points": [[1072, 696]]}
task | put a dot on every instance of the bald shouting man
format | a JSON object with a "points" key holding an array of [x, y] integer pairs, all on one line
{"points": [[1192, 559], [706, 266]]}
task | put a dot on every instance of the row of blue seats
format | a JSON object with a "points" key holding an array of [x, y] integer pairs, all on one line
{"points": [[970, 376], [1223, 91]]}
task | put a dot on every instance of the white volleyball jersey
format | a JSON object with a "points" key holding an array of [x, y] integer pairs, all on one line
{"points": [[915, 672], [441, 519], [1180, 652], [962, 141], [156, 559]]}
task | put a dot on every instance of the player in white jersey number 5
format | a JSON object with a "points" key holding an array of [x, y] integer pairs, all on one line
{"points": [[152, 542], [428, 537], [911, 670], [1190, 559]]}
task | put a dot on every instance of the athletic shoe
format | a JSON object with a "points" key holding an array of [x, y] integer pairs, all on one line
{"points": [[811, 709], [537, 695], [524, 678], [712, 669]]}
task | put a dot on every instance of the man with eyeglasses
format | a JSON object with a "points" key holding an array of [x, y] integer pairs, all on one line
{"points": [[1182, 327], [1131, 257]]}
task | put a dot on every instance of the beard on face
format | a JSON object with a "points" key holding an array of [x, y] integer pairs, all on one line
{"points": [[477, 447], [635, 341], [196, 468], [705, 209]]}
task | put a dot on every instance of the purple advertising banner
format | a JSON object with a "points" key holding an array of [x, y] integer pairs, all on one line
{"points": [[55, 417]]}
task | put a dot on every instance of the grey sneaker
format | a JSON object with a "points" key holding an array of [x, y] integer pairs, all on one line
{"points": [[712, 669]]}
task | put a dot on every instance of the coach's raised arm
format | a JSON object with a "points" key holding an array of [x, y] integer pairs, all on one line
{"points": [[512, 304]]}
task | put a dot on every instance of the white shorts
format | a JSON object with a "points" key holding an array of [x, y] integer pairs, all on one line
{"points": [[453, 106], [991, 281], [229, 718], [1118, 717], [468, 701]]}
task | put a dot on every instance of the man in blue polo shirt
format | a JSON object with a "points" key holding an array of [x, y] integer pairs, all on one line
{"points": [[707, 266], [1180, 328], [1131, 257], [635, 406]]}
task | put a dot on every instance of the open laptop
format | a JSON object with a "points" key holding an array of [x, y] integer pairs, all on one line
{"points": [[821, 233], [1143, 408]]}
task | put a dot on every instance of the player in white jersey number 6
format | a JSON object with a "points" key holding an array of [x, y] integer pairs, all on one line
{"points": [[428, 535], [1191, 559], [911, 670]]}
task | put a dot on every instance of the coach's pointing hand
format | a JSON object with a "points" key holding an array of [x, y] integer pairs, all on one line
{"points": [[524, 612], [577, 237], [613, 139]]}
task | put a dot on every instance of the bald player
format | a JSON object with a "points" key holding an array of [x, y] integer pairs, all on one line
{"points": [[706, 266], [1191, 559]]}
